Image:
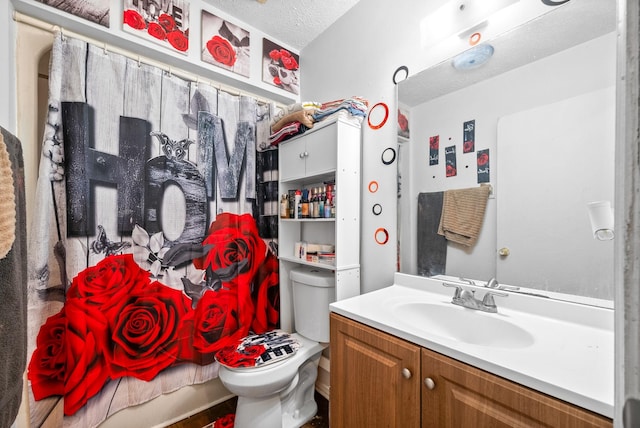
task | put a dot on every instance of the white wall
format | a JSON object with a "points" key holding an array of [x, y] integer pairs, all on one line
{"points": [[358, 55]]}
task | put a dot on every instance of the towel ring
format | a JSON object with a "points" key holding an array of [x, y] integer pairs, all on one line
{"points": [[384, 119], [381, 236]]}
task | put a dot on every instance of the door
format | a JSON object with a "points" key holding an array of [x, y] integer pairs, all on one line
{"points": [[375, 378]]}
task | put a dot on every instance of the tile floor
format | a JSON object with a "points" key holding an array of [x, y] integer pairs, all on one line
{"points": [[206, 417]]}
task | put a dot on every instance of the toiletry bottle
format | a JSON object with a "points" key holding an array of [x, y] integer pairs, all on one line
{"points": [[284, 206], [327, 202], [304, 212], [292, 203], [321, 198], [298, 204], [333, 201], [315, 203]]}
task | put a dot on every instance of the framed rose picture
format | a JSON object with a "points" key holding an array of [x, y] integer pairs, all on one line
{"points": [[92, 10], [225, 44], [403, 122], [280, 67], [167, 24]]}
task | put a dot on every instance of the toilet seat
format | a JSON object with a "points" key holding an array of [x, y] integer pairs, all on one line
{"points": [[257, 351], [256, 382]]}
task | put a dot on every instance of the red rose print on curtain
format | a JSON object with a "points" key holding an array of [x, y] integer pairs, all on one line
{"points": [[237, 250], [116, 322], [144, 330]]}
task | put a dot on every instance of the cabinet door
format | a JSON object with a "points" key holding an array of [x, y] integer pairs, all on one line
{"points": [[292, 159], [375, 378], [321, 146], [464, 396]]}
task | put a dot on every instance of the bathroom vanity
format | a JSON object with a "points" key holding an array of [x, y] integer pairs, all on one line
{"points": [[404, 356]]}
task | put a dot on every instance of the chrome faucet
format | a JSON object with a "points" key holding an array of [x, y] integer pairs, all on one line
{"points": [[493, 283], [467, 299]]}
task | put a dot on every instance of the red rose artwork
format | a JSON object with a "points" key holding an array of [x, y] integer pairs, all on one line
{"points": [[221, 51], [403, 123], [280, 67], [225, 44], [156, 31], [168, 26], [483, 166]]}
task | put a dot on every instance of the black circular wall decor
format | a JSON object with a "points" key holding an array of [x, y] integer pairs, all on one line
{"points": [[376, 209], [399, 76], [388, 156], [554, 3]]}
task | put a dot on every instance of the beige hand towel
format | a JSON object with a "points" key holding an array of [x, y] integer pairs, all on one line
{"points": [[7, 202], [463, 214]]}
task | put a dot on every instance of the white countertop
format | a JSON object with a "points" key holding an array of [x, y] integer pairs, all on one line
{"points": [[571, 356]]}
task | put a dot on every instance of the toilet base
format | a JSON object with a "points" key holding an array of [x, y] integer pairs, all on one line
{"points": [[290, 408]]}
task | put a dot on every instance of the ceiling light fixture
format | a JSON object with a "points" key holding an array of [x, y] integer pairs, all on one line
{"points": [[462, 17], [473, 58]]}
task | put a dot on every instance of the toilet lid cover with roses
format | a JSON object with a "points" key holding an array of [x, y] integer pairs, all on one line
{"points": [[259, 350]]}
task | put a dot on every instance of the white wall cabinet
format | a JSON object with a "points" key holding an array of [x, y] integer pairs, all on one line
{"points": [[330, 151]]}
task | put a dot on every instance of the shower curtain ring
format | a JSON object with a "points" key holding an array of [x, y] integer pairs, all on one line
{"points": [[104, 49], [139, 63]]}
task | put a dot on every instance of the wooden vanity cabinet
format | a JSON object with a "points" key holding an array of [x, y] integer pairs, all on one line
{"points": [[371, 388], [464, 396], [375, 378]]}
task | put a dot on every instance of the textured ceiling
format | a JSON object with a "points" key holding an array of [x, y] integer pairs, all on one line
{"points": [[292, 22]]}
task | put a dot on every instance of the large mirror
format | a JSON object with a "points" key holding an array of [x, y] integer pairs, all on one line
{"points": [[539, 118]]}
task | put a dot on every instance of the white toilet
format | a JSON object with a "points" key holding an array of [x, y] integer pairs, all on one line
{"points": [[281, 394]]}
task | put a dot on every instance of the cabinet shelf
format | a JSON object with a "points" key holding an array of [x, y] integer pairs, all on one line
{"points": [[328, 266], [313, 220], [316, 178], [329, 152]]}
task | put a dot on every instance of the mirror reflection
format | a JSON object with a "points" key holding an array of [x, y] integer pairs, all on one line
{"points": [[536, 124]]}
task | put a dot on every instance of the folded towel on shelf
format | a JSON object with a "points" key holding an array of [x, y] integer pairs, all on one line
{"points": [[432, 248], [463, 214], [304, 116]]}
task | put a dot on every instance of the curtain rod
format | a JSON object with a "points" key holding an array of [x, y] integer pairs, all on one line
{"points": [[42, 25]]}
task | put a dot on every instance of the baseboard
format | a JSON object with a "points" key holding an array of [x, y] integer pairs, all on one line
{"points": [[322, 382]]}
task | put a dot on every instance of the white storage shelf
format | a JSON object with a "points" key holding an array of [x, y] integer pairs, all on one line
{"points": [[328, 152]]}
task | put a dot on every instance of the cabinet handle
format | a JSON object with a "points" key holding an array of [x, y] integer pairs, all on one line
{"points": [[429, 383], [301, 155], [306, 154], [406, 373]]}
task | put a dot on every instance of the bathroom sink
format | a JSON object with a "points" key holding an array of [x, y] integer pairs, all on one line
{"points": [[463, 325]]}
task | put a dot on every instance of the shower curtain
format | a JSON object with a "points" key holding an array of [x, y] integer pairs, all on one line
{"points": [[152, 245]]}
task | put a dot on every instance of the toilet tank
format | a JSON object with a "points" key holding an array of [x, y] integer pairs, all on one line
{"points": [[313, 292]]}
